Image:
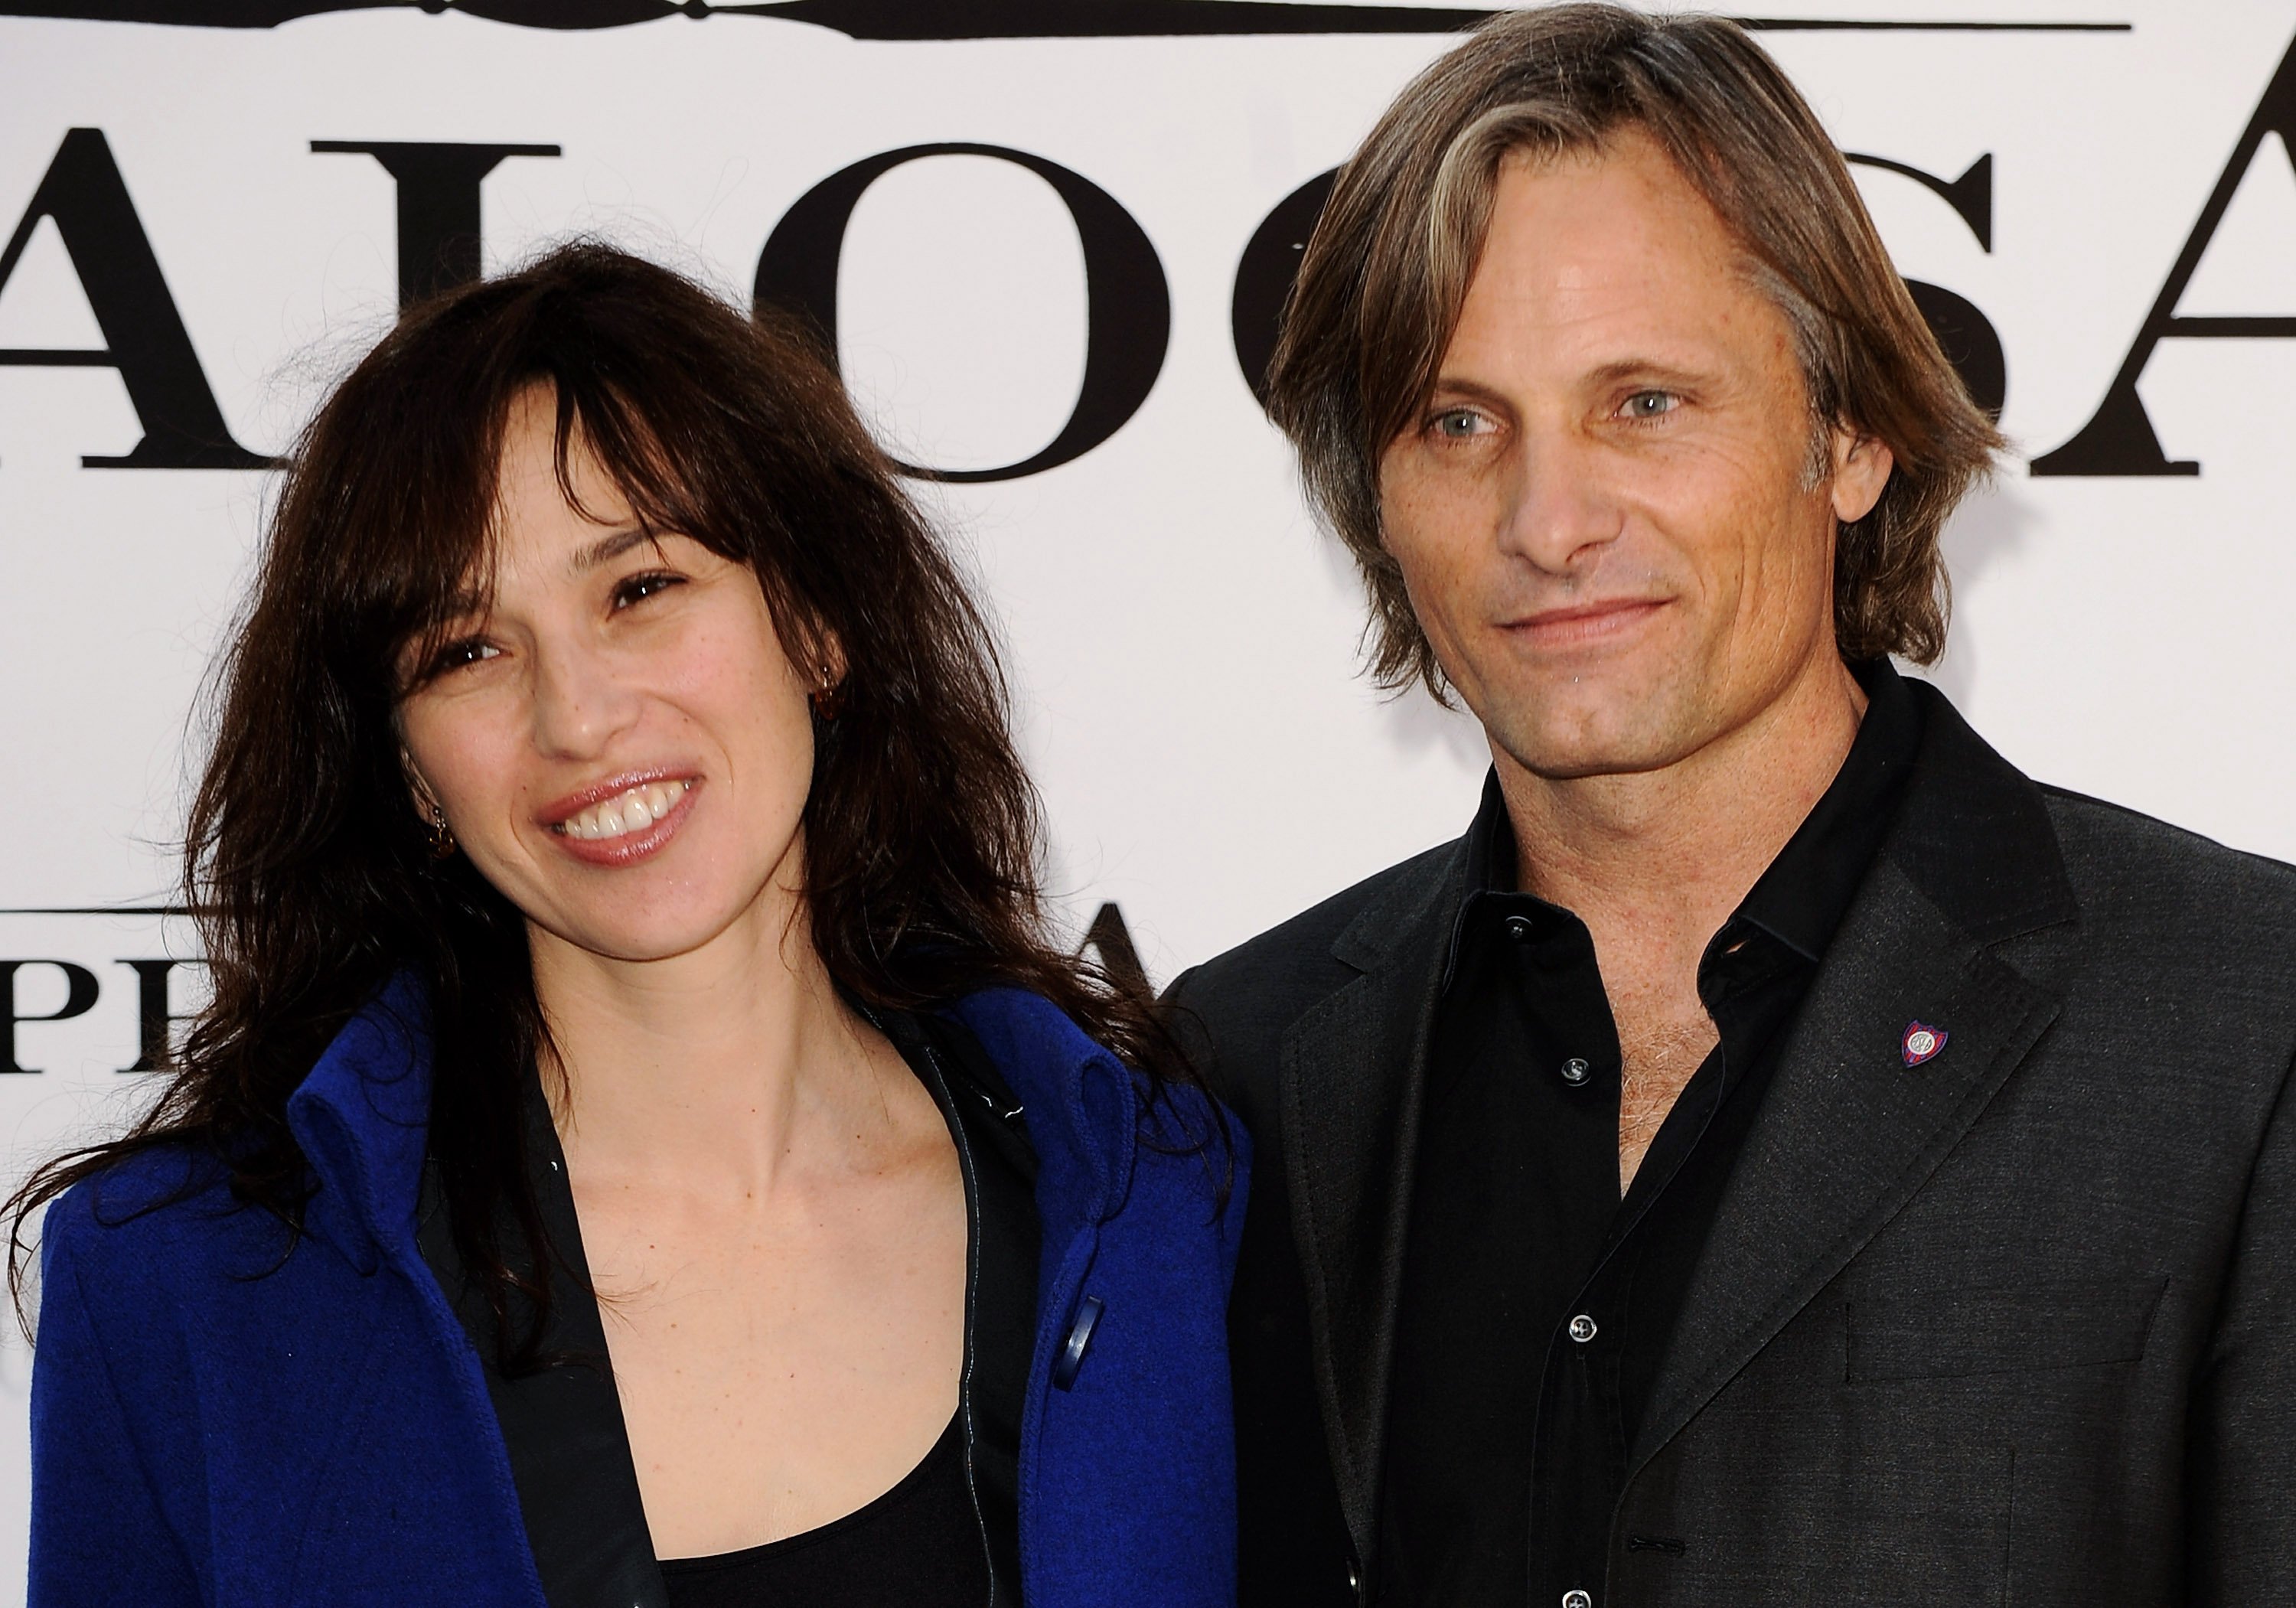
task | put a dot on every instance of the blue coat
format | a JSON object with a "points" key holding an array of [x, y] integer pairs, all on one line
{"points": [[223, 1415]]}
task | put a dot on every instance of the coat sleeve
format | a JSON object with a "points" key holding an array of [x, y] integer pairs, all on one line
{"points": [[2244, 1449], [98, 1534]]}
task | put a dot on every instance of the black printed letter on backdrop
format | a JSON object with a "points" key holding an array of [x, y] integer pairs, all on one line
{"points": [[438, 206], [143, 335], [154, 1049], [1128, 307], [1263, 279], [2119, 440], [79, 997]]}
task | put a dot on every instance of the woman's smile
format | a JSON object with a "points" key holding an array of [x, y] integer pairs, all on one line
{"points": [[622, 820]]}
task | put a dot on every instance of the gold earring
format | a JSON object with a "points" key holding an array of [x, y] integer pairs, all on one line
{"points": [[442, 837], [828, 700]]}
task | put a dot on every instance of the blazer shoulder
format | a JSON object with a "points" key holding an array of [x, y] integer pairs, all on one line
{"points": [[1230, 1012], [1300, 950], [2128, 864]]}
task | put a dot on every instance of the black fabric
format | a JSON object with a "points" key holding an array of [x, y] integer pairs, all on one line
{"points": [[1000, 1183], [1508, 1433], [919, 1543], [562, 1426], [569, 1451]]}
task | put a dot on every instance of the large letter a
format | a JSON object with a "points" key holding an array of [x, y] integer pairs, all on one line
{"points": [[2119, 440], [143, 335]]}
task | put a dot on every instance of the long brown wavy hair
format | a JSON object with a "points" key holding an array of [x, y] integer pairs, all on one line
{"points": [[311, 874]]}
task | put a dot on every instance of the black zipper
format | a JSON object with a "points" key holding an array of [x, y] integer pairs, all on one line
{"points": [[945, 1097]]}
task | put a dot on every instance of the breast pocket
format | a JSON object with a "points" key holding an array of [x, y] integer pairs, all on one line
{"points": [[1961, 1333]]}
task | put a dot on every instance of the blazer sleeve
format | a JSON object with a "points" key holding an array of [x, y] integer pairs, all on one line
{"points": [[98, 1538], [2243, 1426]]}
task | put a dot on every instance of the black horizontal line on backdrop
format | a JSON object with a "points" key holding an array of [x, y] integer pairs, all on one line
{"points": [[951, 20], [104, 910]]}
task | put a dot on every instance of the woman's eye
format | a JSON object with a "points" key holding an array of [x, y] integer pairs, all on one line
{"points": [[636, 588], [1649, 405], [456, 655]]}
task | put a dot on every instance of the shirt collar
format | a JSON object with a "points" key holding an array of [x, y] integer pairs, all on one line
{"points": [[1800, 899]]}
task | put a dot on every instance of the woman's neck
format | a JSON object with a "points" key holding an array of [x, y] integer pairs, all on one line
{"points": [[712, 1066]]}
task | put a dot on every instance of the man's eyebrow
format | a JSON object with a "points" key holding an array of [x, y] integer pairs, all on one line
{"points": [[1452, 388], [1645, 368], [607, 548]]}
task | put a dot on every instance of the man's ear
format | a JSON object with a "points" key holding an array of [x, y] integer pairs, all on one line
{"points": [[1861, 469]]}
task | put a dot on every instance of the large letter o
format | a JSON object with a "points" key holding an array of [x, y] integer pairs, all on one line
{"points": [[1127, 306]]}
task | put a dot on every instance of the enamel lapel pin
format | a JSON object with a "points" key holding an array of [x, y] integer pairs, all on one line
{"points": [[1922, 1043]]}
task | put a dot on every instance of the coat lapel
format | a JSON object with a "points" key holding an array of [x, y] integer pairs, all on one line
{"points": [[1353, 1070], [1848, 1130]]}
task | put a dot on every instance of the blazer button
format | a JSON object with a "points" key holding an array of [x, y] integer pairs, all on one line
{"points": [[1582, 1330], [1576, 1599], [1575, 1071], [1072, 1356]]}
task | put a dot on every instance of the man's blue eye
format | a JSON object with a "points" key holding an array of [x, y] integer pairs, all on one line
{"points": [[1457, 423], [1649, 405]]}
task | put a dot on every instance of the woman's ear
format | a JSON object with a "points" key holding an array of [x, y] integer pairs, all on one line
{"points": [[427, 808], [825, 671]]}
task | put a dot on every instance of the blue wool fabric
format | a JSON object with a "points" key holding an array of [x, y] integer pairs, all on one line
{"points": [[225, 1413]]}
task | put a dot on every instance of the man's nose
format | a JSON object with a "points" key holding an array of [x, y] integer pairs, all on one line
{"points": [[1559, 512], [582, 700]]}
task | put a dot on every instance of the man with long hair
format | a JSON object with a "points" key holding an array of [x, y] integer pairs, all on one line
{"points": [[1780, 1153]]}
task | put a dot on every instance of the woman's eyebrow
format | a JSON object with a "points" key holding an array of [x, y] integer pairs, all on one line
{"points": [[607, 548]]}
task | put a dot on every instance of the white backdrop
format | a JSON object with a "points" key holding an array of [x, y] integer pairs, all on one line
{"points": [[1185, 644]]}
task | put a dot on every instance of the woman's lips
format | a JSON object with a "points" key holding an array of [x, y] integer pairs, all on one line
{"points": [[621, 822]]}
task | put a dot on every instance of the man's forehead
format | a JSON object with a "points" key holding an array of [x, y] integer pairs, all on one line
{"points": [[1604, 246]]}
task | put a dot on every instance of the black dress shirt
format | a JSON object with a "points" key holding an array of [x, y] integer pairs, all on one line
{"points": [[1536, 1303]]}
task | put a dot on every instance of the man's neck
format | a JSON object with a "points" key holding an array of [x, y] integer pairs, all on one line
{"points": [[1655, 861]]}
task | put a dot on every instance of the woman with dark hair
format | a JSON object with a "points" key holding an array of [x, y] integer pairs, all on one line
{"points": [[642, 1147]]}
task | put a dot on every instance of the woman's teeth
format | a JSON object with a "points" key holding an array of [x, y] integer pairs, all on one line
{"points": [[625, 813]]}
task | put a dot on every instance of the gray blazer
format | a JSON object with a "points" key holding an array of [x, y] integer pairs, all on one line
{"points": [[2016, 1325]]}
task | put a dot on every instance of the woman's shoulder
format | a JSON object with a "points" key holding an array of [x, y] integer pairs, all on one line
{"points": [[1095, 1120], [163, 1215]]}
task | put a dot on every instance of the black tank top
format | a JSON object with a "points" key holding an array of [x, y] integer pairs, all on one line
{"points": [[918, 1543]]}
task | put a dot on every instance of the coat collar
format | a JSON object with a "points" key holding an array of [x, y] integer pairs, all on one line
{"points": [[1970, 861], [1081, 1106], [363, 1120]]}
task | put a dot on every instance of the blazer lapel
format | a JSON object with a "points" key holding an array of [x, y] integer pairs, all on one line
{"points": [[1354, 1067], [1849, 1131]]}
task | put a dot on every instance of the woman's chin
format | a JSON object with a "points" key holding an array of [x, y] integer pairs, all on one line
{"points": [[657, 936]]}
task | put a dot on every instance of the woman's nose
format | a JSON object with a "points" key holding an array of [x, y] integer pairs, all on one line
{"points": [[581, 701]]}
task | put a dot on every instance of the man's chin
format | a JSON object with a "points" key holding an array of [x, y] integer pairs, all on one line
{"points": [[1593, 743]]}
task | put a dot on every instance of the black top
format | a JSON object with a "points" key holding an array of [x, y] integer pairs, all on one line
{"points": [[569, 1452], [917, 1543], [1536, 1303]]}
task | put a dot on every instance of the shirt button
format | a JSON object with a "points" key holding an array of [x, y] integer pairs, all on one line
{"points": [[1518, 928], [1576, 1599], [1582, 1330], [1575, 1071]]}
